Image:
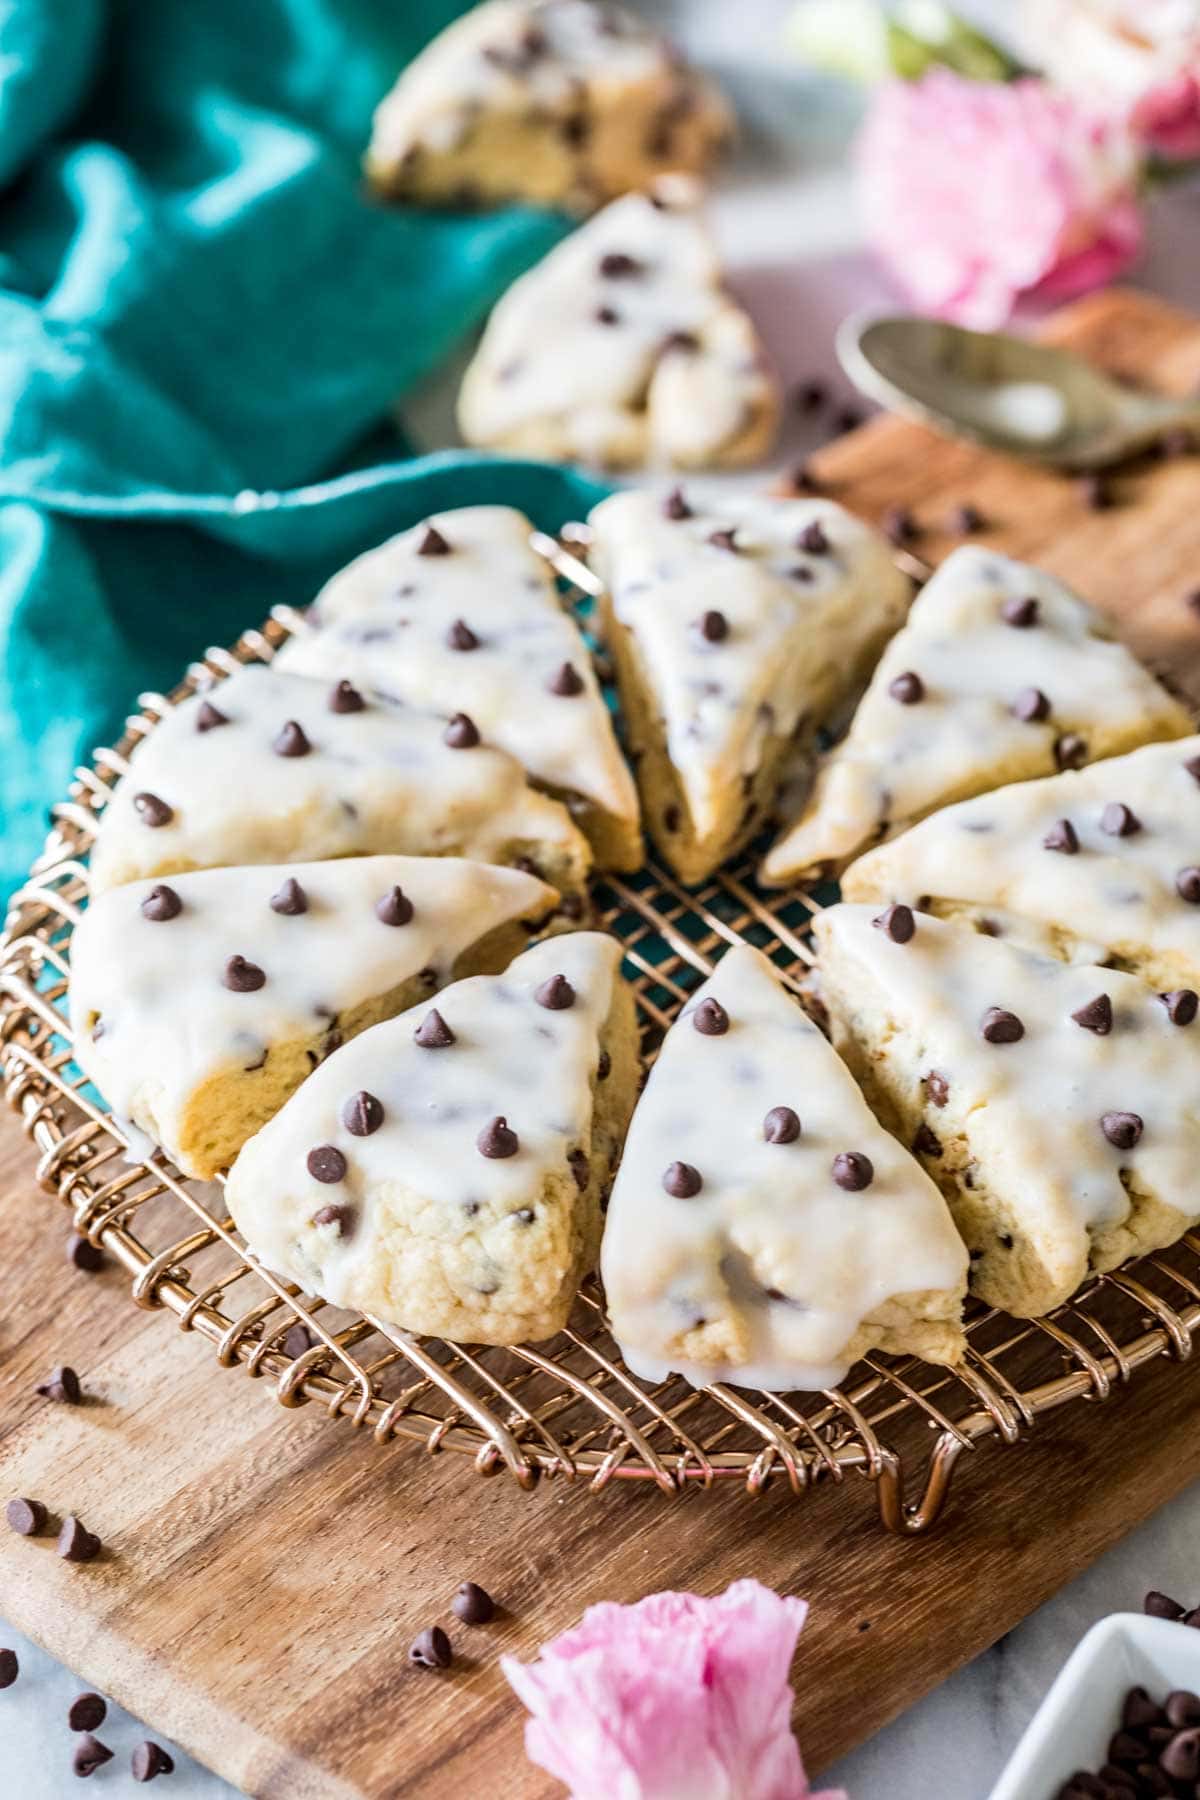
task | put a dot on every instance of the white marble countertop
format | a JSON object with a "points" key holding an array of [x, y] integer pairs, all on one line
{"points": [[786, 219]]}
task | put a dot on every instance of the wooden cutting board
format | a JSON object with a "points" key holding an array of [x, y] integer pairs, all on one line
{"points": [[265, 1571]]}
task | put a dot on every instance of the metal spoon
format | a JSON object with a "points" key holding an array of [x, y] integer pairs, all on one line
{"points": [[1007, 393]]}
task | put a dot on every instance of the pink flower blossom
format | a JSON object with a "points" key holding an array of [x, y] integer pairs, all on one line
{"points": [[977, 192], [679, 1697], [1139, 59]]}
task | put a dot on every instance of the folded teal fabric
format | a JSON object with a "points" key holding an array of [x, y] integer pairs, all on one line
{"points": [[204, 324]]}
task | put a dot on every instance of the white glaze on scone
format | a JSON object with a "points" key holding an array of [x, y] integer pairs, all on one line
{"points": [[562, 100], [480, 629], [772, 1275], [199, 1058], [622, 347], [977, 671], [1117, 896], [436, 1236], [378, 780], [712, 719], [1038, 1186]]}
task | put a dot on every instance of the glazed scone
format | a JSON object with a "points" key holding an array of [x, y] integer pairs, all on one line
{"points": [[268, 767], [1001, 674], [445, 1170], [622, 347], [461, 615], [1058, 1108], [764, 1229], [565, 101], [737, 631], [199, 1007], [1093, 865]]}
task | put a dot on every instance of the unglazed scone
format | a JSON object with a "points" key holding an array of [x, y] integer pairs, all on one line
{"points": [[199, 1006], [1097, 864], [445, 1170], [622, 347], [1001, 674], [764, 1229], [268, 767], [564, 101], [1058, 1108], [737, 630], [461, 615]]}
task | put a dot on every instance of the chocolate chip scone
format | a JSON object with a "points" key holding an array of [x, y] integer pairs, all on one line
{"points": [[764, 1229], [1058, 1108], [737, 629], [550, 101], [1102, 864], [199, 1006], [623, 347], [460, 615], [1000, 675], [445, 1170], [270, 767]]}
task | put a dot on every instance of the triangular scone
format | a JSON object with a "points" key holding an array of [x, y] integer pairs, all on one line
{"points": [[622, 347], [737, 630], [268, 767], [445, 1171], [764, 1229], [1058, 1108], [1001, 674], [1093, 865], [461, 615], [563, 101], [198, 1007]]}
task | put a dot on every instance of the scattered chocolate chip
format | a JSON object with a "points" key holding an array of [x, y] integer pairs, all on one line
{"points": [[899, 526], [1096, 1016], [964, 520], [710, 1018], [149, 1760], [555, 994], [1122, 1129], [675, 506], [344, 697], [433, 1033], [26, 1517], [431, 1650], [83, 1254], [566, 680], [907, 688], [853, 1171], [292, 740], [152, 811], [1187, 885], [208, 716], [926, 1142], [813, 539], [1031, 706], [1063, 837], [161, 903], [433, 543], [1181, 1005], [724, 540], [580, 1168], [681, 1181], [1000, 1027], [1020, 613], [325, 1162], [897, 922], [473, 1604], [460, 733], [340, 1217], [10, 1668], [781, 1126], [86, 1712], [1161, 1606], [496, 1140], [362, 1114], [62, 1385], [615, 265], [607, 315], [75, 1542], [712, 626], [937, 1087], [394, 908], [242, 977], [90, 1755], [1180, 1759], [296, 1340], [290, 900], [1118, 820], [1094, 492]]}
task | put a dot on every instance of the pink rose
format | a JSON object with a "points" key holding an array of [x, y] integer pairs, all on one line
{"points": [[677, 1698], [1137, 58], [977, 192]]}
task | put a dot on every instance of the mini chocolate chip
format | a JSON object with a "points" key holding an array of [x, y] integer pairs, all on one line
{"points": [[1000, 1027], [292, 740], [1187, 885], [75, 1542], [853, 1171], [1094, 492], [1063, 837], [1122, 1129], [161, 903], [62, 1385], [394, 908], [460, 733], [1181, 1005], [340, 1217], [1031, 706], [713, 626], [615, 264], [965, 519], [473, 1604], [604, 1066], [1070, 751], [10, 1668], [675, 506], [681, 1181], [83, 1254], [937, 1088], [896, 922], [242, 977], [290, 900], [461, 637], [724, 540], [325, 1162], [90, 1755], [898, 525], [907, 688], [433, 1033], [362, 1114], [26, 1517], [431, 1650], [496, 1140], [607, 315], [208, 716], [1161, 1606], [556, 994], [344, 697], [813, 539], [710, 1018], [433, 543], [1180, 1759], [580, 1168], [149, 1760], [1096, 1016], [1118, 820], [781, 1126], [152, 811], [1021, 613], [926, 1142], [86, 1712], [566, 680], [296, 1340]]}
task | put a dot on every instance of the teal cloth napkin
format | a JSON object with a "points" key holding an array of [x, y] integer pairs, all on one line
{"points": [[204, 323]]}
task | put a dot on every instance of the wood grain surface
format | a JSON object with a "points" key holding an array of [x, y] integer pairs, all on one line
{"points": [[264, 1571]]}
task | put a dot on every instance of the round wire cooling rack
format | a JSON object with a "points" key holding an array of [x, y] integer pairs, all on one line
{"points": [[568, 1409]]}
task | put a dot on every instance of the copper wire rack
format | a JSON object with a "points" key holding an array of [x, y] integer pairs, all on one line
{"points": [[568, 1410]]}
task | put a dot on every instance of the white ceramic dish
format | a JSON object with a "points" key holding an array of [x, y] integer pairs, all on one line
{"points": [[1071, 1728]]}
